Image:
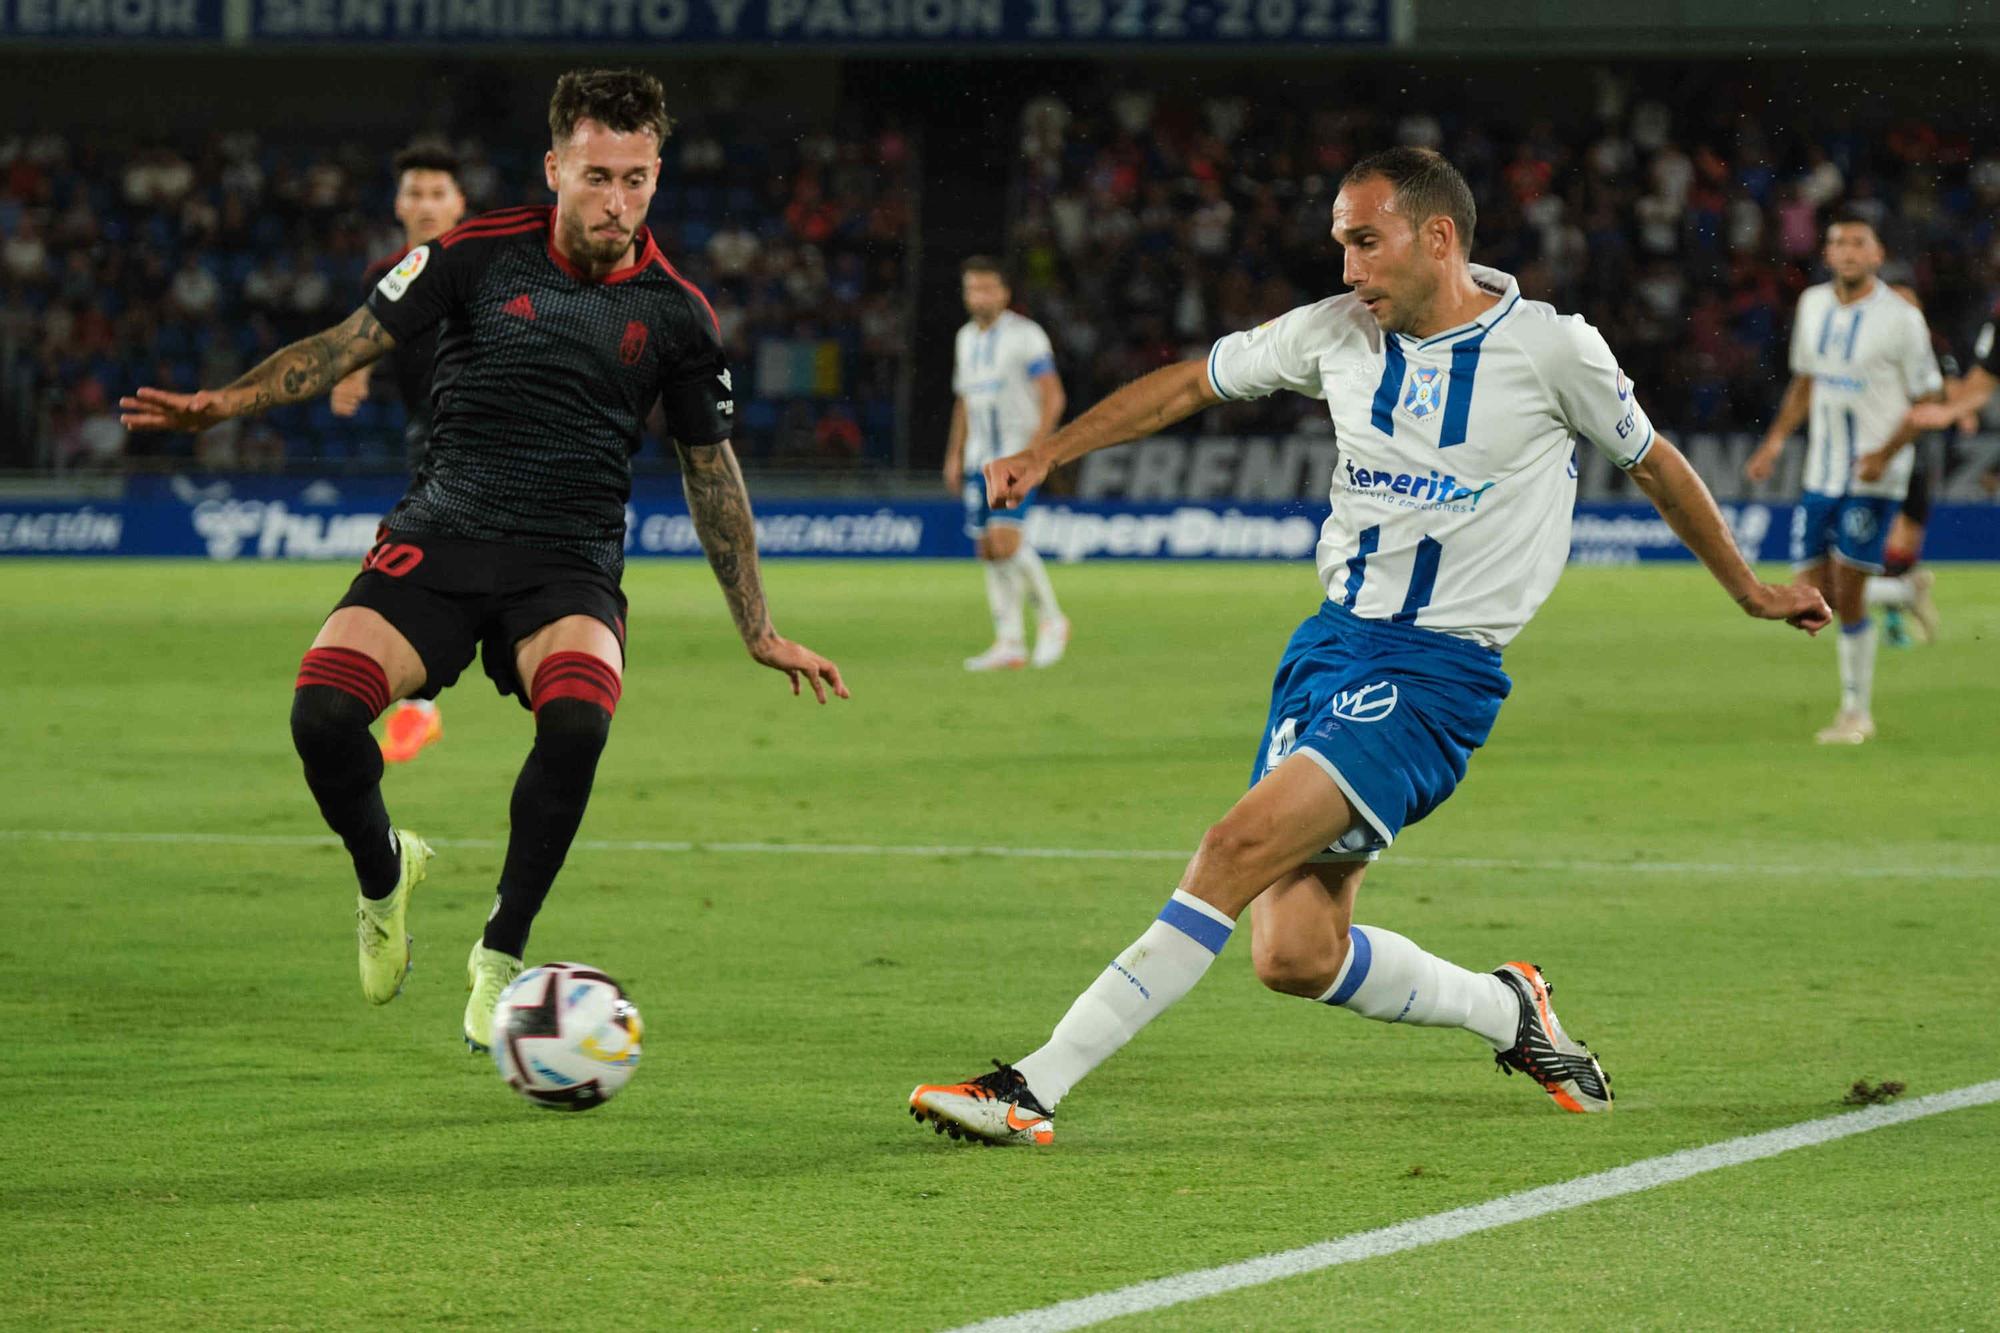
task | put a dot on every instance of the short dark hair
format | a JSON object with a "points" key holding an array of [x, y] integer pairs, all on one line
{"points": [[983, 264], [1847, 215], [427, 156], [624, 101], [1426, 185]]}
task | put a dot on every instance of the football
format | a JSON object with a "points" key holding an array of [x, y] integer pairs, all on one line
{"points": [[565, 1036]]}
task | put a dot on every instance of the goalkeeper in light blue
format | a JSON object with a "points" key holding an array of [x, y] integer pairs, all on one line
{"points": [[1458, 406]]}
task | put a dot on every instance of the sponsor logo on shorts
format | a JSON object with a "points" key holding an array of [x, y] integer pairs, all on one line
{"points": [[1370, 703], [398, 279], [1858, 522], [1284, 739]]}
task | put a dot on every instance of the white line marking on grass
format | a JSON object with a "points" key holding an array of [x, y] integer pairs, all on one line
{"points": [[1787, 870], [1644, 1175]]}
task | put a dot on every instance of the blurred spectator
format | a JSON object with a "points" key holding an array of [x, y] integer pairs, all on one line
{"points": [[1684, 234], [195, 291], [24, 257], [183, 263]]}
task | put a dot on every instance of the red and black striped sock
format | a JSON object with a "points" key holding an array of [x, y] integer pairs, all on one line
{"points": [[339, 693], [574, 695]]}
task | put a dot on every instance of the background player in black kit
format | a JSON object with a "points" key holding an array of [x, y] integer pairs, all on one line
{"points": [[558, 329], [429, 203]]}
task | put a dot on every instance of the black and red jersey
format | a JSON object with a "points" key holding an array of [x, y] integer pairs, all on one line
{"points": [[542, 380], [409, 362]]}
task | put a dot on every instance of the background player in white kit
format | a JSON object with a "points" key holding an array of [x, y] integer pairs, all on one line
{"points": [[1860, 356], [1009, 398], [1458, 406]]}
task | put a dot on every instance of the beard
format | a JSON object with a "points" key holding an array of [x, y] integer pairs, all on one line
{"points": [[594, 247]]}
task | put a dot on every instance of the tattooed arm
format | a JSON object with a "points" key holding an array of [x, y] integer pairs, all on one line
{"points": [[306, 369], [720, 506]]}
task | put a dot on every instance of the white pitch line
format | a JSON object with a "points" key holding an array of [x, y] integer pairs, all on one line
{"points": [[1783, 870], [1651, 1173]]}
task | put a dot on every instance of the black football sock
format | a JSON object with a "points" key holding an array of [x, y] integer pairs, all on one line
{"points": [[548, 804], [343, 764]]}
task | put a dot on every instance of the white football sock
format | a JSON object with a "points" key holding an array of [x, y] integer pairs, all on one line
{"points": [[423, 705], [1029, 561], [1885, 591], [1857, 667], [1161, 966], [1003, 595], [1388, 978]]}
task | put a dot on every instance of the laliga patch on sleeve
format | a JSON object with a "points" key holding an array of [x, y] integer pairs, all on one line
{"points": [[398, 279]]}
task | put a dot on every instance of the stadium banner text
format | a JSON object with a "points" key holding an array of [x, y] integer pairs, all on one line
{"points": [[267, 518], [816, 23], [112, 20]]}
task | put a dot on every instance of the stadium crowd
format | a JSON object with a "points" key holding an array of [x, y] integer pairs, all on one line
{"points": [[1145, 225], [1141, 224], [184, 263]]}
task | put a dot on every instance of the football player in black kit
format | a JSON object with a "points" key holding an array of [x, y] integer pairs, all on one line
{"points": [[558, 330], [429, 203]]}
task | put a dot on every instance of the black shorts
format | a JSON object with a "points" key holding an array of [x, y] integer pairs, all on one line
{"points": [[452, 598], [1917, 503]]}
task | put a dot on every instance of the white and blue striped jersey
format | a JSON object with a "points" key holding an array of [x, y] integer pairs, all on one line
{"points": [[994, 371], [1869, 360], [1457, 471]]}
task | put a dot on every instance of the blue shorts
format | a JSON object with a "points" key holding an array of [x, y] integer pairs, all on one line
{"points": [[1853, 527], [978, 514], [1391, 712]]}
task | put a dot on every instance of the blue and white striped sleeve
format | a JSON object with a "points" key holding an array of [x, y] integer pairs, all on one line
{"points": [[1282, 354]]}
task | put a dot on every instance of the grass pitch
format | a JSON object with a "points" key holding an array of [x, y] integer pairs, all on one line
{"points": [[207, 1126]]}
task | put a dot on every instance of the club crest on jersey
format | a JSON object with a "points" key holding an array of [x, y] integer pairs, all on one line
{"points": [[1370, 703], [398, 279], [1424, 393], [633, 345]]}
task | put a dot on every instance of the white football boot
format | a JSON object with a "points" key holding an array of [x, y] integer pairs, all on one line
{"points": [[993, 1108], [1051, 638], [1564, 1066], [1000, 657], [1847, 729]]}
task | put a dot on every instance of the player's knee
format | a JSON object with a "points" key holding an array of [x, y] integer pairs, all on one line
{"points": [[325, 721], [1230, 847], [1292, 967], [570, 734]]}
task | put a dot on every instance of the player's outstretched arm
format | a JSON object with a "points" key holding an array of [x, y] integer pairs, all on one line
{"points": [[1677, 491], [720, 505], [1147, 405], [305, 369]]}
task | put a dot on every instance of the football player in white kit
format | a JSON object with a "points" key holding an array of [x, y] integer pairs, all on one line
{"points": [[1009, 398], [1860, 356], [1458, 406]]}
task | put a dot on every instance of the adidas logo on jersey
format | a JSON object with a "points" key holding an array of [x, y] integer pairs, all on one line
{"points": [[520, 307]]}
